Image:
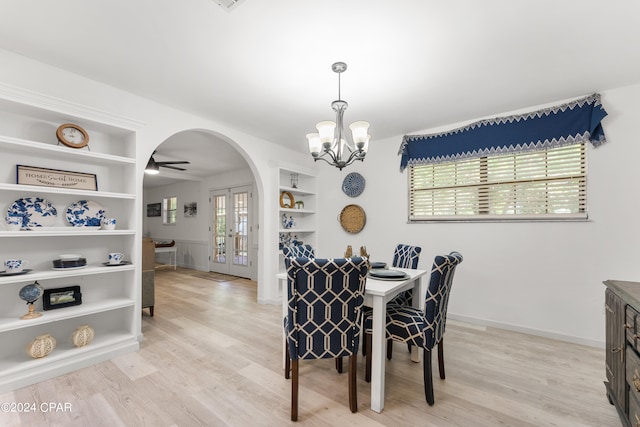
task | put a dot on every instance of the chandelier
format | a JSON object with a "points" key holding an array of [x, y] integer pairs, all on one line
{"points": [[330, 142]]}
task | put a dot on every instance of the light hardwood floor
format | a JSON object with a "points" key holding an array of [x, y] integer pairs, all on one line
{"points": [[212, 356]]}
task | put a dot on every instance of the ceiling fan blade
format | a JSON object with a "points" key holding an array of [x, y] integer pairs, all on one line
{"points": [[174, 163], [171, 167]]}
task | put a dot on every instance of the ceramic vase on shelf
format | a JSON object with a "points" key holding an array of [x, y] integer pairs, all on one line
{"points": [[41, 346], [82, 336], [288, 222]]}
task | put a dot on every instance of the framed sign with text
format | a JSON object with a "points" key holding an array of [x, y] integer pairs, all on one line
{"points": [[31, 175]]}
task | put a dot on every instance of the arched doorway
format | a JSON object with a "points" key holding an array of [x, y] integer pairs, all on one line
{"points": [[215, 165]]}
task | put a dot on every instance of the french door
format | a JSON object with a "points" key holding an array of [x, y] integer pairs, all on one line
{"points": [[230, 231]]}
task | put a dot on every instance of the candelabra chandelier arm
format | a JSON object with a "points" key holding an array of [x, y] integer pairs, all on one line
{"points": [[330, 141]]}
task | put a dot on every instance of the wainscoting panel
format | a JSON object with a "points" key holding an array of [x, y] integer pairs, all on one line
{"points": [[192, 254]]}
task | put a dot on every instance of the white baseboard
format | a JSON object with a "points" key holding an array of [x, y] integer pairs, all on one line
{"points": [[526, 330], [270, 301]]}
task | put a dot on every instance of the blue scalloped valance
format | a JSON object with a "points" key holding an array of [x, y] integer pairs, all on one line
{"points": [[571, 123]]}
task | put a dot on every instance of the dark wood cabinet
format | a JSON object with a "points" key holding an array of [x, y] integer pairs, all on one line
{"points": [[622, 359], [615, 338]]}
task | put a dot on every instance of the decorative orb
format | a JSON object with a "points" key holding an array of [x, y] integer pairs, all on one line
{"points": [[82, 336], [30, 293], [41, 346]]}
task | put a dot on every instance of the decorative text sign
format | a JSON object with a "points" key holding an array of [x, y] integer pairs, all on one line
{"points": [[30, 175]]}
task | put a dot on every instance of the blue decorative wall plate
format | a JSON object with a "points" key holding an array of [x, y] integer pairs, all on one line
{"points": [[85, 213], [353, 184], [34, 212]]}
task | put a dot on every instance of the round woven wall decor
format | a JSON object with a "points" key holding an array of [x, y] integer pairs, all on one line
{"points": [[352, 218]]}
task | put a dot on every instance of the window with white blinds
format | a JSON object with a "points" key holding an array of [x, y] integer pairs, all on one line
{"points": [[547, 184]]}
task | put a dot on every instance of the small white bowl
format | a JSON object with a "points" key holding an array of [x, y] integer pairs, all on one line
{"points": [[69, 257]]}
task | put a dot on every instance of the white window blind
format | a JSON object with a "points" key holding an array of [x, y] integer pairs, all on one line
{"points": [[547, 184]]}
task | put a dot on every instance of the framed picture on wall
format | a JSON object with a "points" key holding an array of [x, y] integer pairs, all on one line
{"points": [[190, 209], [153, 209]]}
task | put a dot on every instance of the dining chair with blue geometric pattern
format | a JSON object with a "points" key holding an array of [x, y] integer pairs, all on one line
{"points": [[298, 251], [324, 315], [422, 328], [404, 256]]}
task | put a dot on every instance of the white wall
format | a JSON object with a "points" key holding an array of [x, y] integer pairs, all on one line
{"points": [[184, 228], [540, 277], [188, 232]]}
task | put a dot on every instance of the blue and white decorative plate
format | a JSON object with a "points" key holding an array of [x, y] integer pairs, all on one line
{"points": [[85, 213], [34, 212], [353, 184]]}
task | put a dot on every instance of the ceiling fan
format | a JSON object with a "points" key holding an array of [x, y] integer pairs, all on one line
{"points": [[153, 167]]}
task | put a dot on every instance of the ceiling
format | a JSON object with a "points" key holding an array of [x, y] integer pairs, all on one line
{"points": [[207, 155], [264, 67]]}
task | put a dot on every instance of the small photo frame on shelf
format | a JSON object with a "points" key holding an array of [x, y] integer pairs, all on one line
{"points": [[61, 297], [31, 175], [153, 209]]}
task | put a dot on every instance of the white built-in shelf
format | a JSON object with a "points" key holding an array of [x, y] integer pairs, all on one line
{"points": [[65, 231], [9, 324], [64, 351], [18, 145], [296, 230], [295, 191], [63, 272], [305, 218], [111, 294], [299, 211], [55, 190]]}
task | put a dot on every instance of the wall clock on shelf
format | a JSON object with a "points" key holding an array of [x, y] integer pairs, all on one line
{"points": [[72, 135]]}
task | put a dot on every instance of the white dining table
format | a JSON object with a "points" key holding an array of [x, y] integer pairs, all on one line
{"points": [[377, 294]]}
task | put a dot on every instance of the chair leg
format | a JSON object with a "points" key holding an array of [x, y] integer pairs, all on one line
{"points": [[339, 364], [367, 360], [353, 390], [389, 348], [294, 390], [365, 337], [428, 377], [287, 361], [441, 358]]}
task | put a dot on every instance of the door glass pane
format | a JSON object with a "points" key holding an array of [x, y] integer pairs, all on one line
{"points": [[220, 229], [241, 212]]}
